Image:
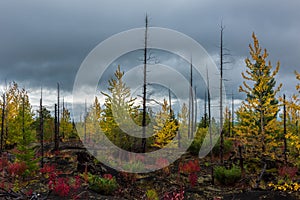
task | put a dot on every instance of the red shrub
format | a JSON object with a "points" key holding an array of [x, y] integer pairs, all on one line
{"points": [[62, 187], [162, 162], [16, 168], [189, 167], [48, 168], [289, 172], [108, 176]]}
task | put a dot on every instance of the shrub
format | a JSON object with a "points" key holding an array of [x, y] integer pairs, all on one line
{"points": [[227, 176], [191, 168], [287, 172], [175, 195], [133, 166], [227, 147], [104, 185], [17, 168], [151, 195], [198, 140]]}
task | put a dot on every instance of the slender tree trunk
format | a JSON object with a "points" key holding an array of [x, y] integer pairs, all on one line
{"points": [[221, 100], [205, 114], [210, 132], [56, 139], [63, 119], [262, 127], [23, 118], [229, 123], [2, 122], [58, 110], [284, 130], [192, 101], [196, 110], [85, 118], [170, 103], [232, 115], [145, 88], [42, 129]]}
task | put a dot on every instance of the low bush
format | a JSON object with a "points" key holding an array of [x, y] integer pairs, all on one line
{"points": [[152, 195], [227, 147], [104, 185], [227, 176], [197, 142]]}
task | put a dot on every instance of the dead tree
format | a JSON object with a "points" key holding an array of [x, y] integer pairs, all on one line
{"points": [[58, 109], [42, 129], [85, 119], [191, 105], [196, 110], [2, 122], [205, 112], [145, 88], [221, 99], [284, 131], [210, 130], [56, 138], [232, 115]]}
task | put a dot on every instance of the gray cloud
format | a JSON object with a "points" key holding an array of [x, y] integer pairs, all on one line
{"points": [[44, 42]]}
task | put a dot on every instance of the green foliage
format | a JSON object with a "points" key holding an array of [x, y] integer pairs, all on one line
{"points": [[227, 176], [18, 115], [104, 185], [198, 140], [227, 124], [133, 166], [24, 123], [257, 127], [204, 121], [65, 126], [183, 126], [48, 124], [228, 146], [152, 195], [293, 125], [119, 105], [93, 119], [201, 138]]}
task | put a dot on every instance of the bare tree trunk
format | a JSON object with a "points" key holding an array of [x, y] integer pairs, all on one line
{"points": [[42, 129], [56, 139], [2, 122], [23, 118], [195, 122], [192, 101], [232, 115], [170, 103], [284, 130], [145, 88], [85, 118], [221, 100], [58, 109], [262, 127], [210, 131], [205, 114], [63, 118]]}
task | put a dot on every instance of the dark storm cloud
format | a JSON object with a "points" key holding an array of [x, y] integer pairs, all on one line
{"points": [[44, 42]]}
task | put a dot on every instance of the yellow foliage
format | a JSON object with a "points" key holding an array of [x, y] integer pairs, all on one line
{"points": [[257, 126], [165, 128]]}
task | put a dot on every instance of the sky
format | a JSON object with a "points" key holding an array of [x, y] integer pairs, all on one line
{"points": [[45, 42]]}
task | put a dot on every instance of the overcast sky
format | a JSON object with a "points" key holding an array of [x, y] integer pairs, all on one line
{"points": [[44, 42]]}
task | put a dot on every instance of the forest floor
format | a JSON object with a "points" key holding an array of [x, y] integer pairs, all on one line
{"points": [[73, 159]]}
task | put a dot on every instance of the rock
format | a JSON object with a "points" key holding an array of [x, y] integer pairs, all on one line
{"points": [[207, 178], [201, 180], [212, 189]]}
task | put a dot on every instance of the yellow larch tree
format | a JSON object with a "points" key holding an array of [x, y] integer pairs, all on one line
{"points": [[258, 128]]}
